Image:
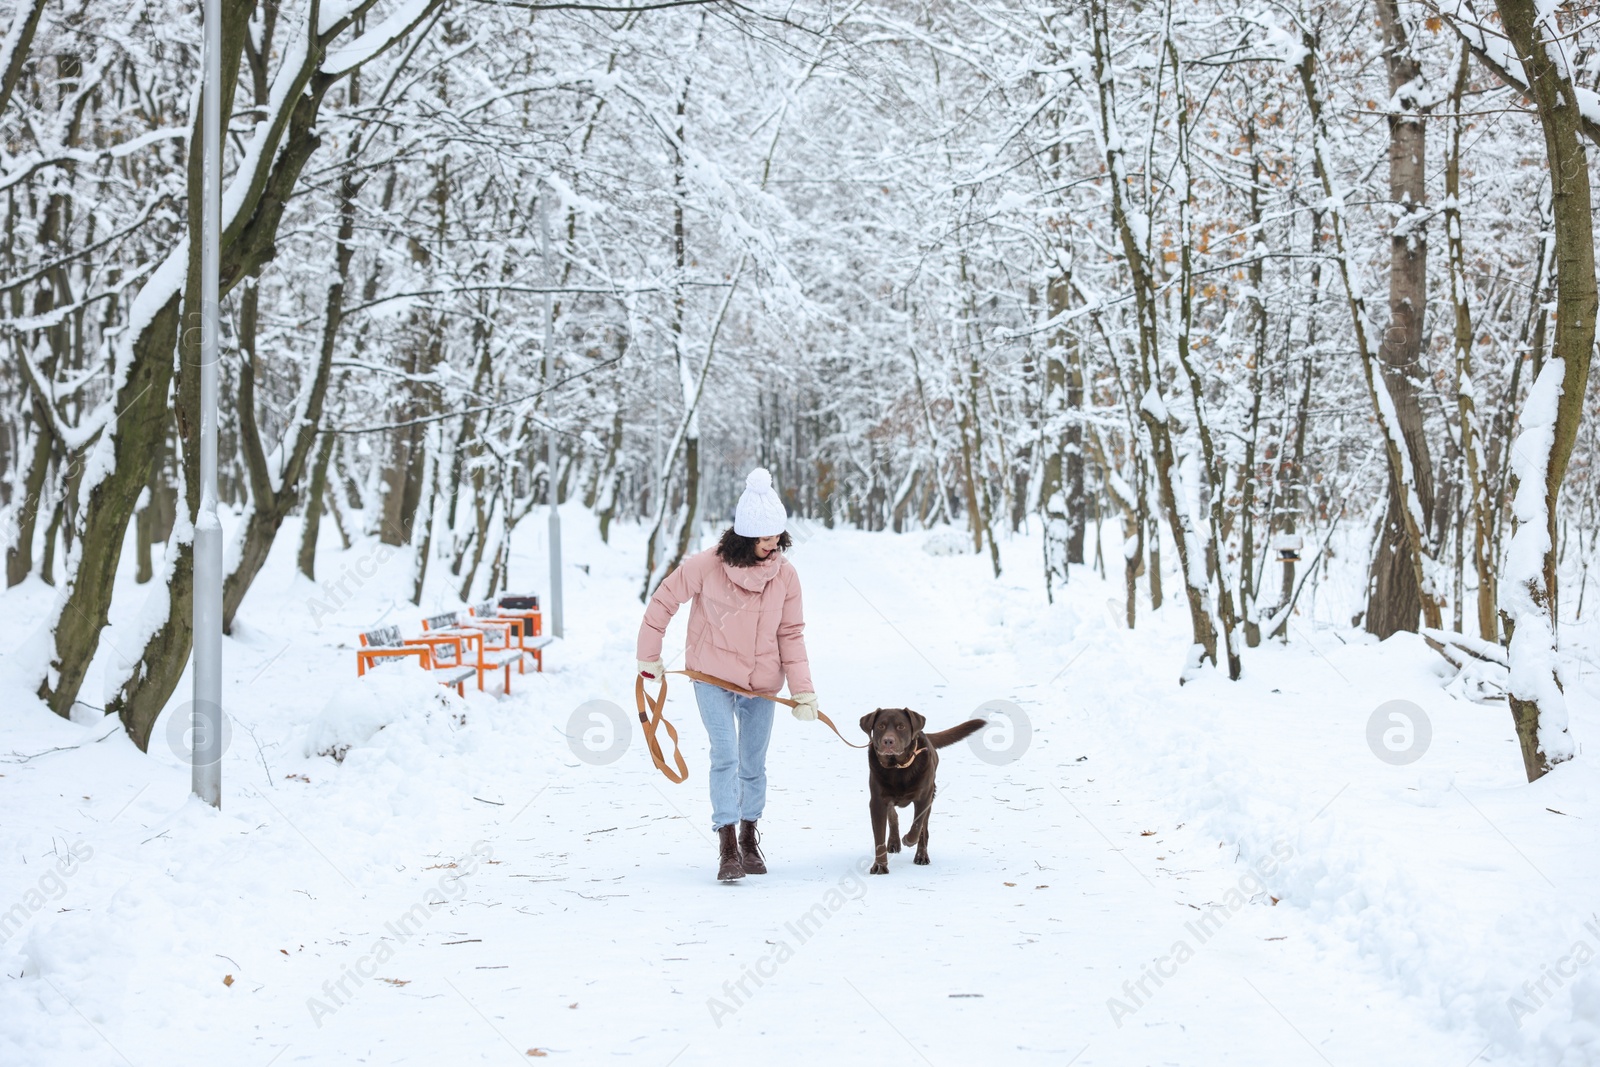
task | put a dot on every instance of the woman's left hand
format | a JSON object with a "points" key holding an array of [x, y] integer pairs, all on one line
{"points": [[805, 707]]}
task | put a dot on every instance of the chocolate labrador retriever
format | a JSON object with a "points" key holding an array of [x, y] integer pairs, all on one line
{"points": [[903, 760]]}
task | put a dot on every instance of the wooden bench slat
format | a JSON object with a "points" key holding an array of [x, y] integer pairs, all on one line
{"points": [[382, 637]]}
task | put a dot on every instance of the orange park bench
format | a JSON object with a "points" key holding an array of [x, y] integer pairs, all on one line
{"points": [[524, 606], [522, 627], [496, 650], [385, 644]]}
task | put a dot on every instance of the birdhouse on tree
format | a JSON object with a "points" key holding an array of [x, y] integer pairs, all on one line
{"points": [[1288, 546]]}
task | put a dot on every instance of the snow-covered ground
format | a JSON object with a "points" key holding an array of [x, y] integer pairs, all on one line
{"points": [[1220, 874]]}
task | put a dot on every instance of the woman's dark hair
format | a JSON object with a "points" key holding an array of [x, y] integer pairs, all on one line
{"points": [[737, 550]]}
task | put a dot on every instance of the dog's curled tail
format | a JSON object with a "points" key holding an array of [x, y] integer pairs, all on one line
{"points": [[956, 733]]}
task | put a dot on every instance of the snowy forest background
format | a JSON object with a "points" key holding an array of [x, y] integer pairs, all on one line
{"points": [[1247, 282]]}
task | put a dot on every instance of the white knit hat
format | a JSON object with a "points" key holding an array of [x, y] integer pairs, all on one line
{"points": [[760, 513]]}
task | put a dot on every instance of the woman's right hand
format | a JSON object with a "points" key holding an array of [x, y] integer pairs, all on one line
{"points": [[652, 669]]}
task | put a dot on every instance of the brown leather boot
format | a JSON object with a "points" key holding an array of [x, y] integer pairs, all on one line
{"points": [[728, 865], [749, 852]]}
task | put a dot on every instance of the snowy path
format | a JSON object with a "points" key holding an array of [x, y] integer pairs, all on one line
{"points": [[597, 932]]}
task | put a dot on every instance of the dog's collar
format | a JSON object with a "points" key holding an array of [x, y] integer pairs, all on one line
{"points": [[915, 752]]}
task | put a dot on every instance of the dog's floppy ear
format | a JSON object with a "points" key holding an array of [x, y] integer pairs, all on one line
{"points": [[868, 720], [918, 721]]}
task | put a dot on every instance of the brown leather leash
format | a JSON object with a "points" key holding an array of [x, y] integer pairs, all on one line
{"points": [[654, 720]]}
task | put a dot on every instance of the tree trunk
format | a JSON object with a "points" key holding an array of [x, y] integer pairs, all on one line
{"points": [[422, 532], [47, 556], [1292, 476], [970, 421], [19, 556], [610, 481], [1247, 469], [311, 517], [1215, 472], [1479, 506], [25, 20], [482, 512], [1054, 508], [1399, 420], [1133, 227], [144, 567], [1402, 587], [133, 441], [1132, 508], [1553, 410], [392, 524], [656, 567], [1077, 507]]}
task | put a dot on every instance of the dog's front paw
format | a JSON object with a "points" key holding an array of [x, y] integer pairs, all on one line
{"points": [[894, 844], [921, 859], [881, 867]]}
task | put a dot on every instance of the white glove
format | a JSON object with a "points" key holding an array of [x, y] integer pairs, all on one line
{"points": [[805, 707], [652, 669]]}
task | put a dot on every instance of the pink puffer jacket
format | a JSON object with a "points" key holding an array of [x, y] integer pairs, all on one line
{"points": [[746, 626]]}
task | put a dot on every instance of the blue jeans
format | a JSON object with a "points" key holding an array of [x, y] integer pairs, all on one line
{"points": [[739, 728]]}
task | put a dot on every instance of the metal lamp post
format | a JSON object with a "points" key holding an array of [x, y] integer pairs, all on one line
{"points": [[206, 751], [556, 626]]}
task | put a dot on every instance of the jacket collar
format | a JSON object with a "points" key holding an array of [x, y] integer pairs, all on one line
{"points": [[755, 579]]}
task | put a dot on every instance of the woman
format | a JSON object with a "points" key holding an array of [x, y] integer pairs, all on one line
{"points": [[746, 627]]}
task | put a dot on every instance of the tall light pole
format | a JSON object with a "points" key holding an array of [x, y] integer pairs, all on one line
{"points": [[556, 625], [206, 751]]}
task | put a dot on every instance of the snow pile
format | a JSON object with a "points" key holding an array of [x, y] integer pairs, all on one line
{"points": [[360, 708], [947, 543], [1576, 1042]]}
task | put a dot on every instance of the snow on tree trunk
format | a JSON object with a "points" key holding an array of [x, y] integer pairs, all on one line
{"points": [[1554, 407], [1527, 588]]}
